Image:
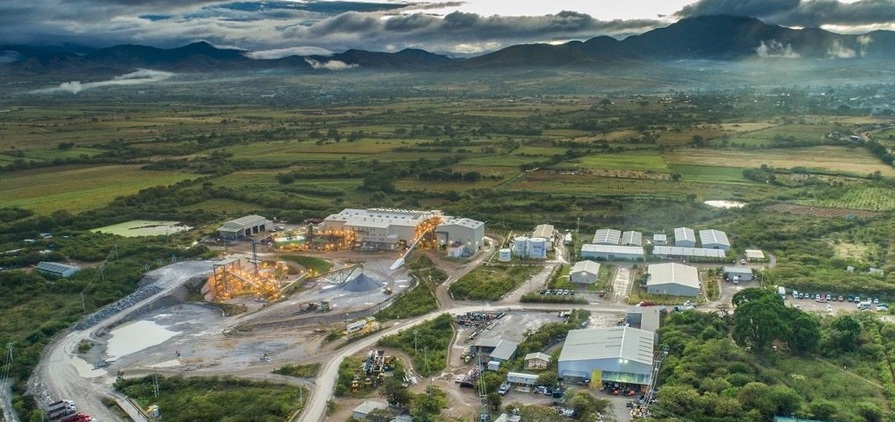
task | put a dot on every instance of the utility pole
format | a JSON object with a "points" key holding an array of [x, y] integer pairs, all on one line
{"points": [[415, 332]]}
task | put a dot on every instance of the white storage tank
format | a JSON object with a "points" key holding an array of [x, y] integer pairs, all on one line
{"points": [[520, 246], [504, 255], [537, 248]]}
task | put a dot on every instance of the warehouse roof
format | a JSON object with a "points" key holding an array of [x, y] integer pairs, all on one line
{"points": [[713, 237], [613, 249], [632, 238], [538, 355], [463, 222], [684, 233], [608, 343], [242, 223], [504, 350], [607, 237], [681, 251], [585, 266], [753, 254], [543, 230], [55, 267], [673, 273], [368, 406], [659, 237], [737, 270]]}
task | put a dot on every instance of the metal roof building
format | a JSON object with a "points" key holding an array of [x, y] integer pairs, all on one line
{"points": [[714, 239], [364, 409], [466, 233], [685, 237], [504, 351], [607, 237], [616, 354], [679, 252], [612, 252], [754, 255], [632, 238], [585, 272], [743, 273], [673, 279], [57, 269], [660, 239], [244, 227], [543, 230]]}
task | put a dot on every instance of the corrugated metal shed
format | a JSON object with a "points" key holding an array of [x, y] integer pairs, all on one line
{"points": [[504, 350], [673, 273], [606, 343], [543, 230], [677, 251], [57, 269], [684, 236], [607, 237], [632, 238], [715, 239]]}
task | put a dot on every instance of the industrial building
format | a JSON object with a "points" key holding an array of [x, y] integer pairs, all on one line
{"points": [[647, 318], [56, 269], [608, 355], [607, 237], [545, 231], [684, 237], [537, 360], [585, 272], [673, 279], [753, 255], [738, 273], [383, 228], [530, 247], [465, 234], [504, 351], [671, 252], [660, 239], [714, 239], [364, 409], [612, 252], [632, 238], [244, 227]]}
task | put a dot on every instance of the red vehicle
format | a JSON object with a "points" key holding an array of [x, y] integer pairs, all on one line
{"points": [[80, 417]]}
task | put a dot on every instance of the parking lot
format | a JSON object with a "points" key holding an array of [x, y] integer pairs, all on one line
{"points": [[810, 303]]}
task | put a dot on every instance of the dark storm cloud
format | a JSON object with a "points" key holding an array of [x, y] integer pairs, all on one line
{"points": [[273, 28], [807, 13], [754, 8]]}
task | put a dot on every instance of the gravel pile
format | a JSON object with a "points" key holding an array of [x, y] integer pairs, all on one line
{"points": [[124, 303]]}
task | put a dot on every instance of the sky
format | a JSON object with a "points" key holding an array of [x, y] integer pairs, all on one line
{"points": [[276, 28]]}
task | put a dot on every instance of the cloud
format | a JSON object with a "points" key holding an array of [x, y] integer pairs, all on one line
{"points": [[279, 53], [753, 8], [839, 51], [140, 77], [776, 49], [800, 13], [330, 65]]}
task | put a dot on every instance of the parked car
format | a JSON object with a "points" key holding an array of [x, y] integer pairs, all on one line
{"points": [[875, 301], [841, 298], [829, 296]]}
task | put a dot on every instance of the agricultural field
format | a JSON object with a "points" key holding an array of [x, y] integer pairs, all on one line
{"points": [[824, 159], [783, 134], [79, 188], [873, 198]]}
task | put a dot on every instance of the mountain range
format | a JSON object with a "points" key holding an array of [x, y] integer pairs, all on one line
{"points": [[720, 37]]}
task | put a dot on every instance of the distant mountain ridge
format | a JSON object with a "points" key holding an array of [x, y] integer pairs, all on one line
{"points": [[702, 38]]}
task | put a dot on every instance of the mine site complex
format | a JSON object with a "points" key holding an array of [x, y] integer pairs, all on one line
{"points": [[254, 310]]}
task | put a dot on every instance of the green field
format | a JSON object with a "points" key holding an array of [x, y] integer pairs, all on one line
{"points": [[830, 159], [78, 188], [874, 198]]}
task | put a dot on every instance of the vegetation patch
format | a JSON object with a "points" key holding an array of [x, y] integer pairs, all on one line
{"points": [[491, 282], [216, 399], [427, 344], [312, 263], [309, 370]]}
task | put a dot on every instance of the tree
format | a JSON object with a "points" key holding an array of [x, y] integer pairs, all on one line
{"points": [[757, 396], [547, 378], [822, 409], [394, 392], [803, 335], [757, 323], [844, 332], [494, 400]]}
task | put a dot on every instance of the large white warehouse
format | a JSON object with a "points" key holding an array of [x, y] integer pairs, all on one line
{"points": [[616, 354], [611, 252], [684, 237], [585, 272], [673, 279], [714, 239], [465, 233], [243, 227], [607, 237]]}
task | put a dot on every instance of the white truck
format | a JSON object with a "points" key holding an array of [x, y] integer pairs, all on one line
{"points": [[782, 292]]}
